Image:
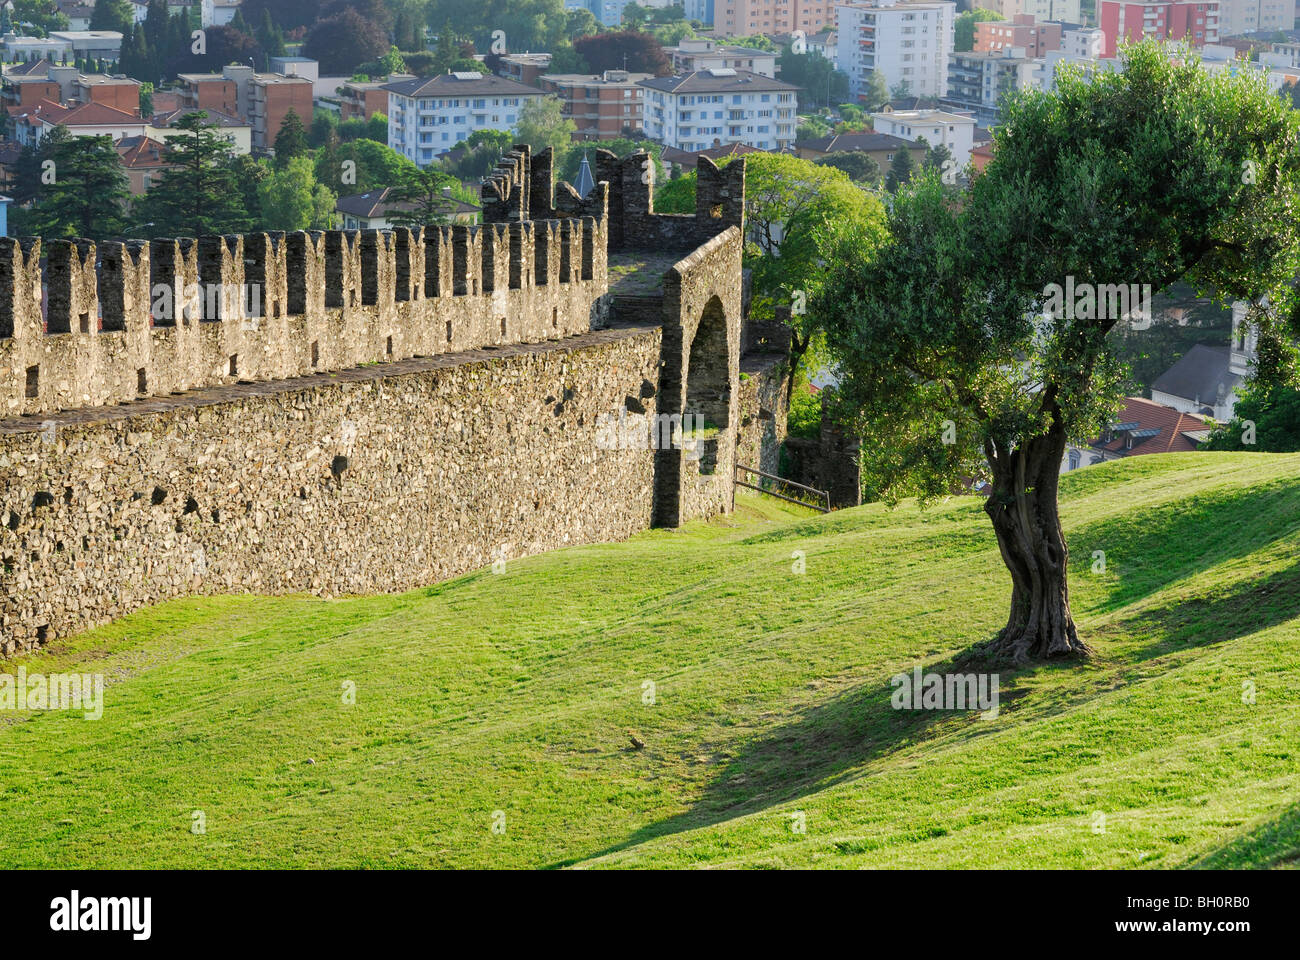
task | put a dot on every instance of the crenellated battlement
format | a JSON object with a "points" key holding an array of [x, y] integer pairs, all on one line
{"points": [[86, 324]]}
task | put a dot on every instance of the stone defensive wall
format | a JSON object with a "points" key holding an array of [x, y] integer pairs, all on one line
{"points": [[390, 409]]}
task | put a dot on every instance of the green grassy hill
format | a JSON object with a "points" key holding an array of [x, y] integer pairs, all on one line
{"points": [[516, 692]]}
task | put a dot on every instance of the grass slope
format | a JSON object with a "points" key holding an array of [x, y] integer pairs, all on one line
{"points": [[516, 693]]}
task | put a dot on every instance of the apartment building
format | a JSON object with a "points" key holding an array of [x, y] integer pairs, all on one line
{"points": [[977, 82], [1083, 42], [718, 107], [956, 131], [1067, 11], [1120, 21], [362, 99], [430, 116], [601, 107], [907, 43], [1022, 31], [1240, 17], [705, 53], [524, 68], [30, 84], [743, 18], [263, 99]]}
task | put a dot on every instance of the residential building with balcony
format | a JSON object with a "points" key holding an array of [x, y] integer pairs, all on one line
{"points": [[907, 43], [714, 108], [743, 18], [1022, 32], [1066, 11], [524, 68], [1197, 23], [1240, 17], [977, 82], [430, 116], [601, 107], [262, 99]]}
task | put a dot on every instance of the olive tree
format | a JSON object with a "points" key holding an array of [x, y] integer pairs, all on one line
{"points": [[961, 354]]}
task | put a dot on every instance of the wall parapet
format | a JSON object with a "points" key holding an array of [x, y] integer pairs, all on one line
{"points": [[86, 324]]}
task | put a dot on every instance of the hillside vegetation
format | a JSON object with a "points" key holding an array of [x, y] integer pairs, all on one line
{"points": [[514, 695]]}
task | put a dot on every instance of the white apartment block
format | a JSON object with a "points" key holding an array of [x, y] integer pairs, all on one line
{"points": [[905, 42], [978, 82], [719, 107], [1085, 43], [1066, 11], [429, 116], [1284, 55], [954, 130]]}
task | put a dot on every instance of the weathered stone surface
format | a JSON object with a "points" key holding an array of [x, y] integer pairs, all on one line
{"points": [[393, 408]]}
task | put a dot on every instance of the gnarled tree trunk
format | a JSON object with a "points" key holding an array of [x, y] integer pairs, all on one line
{"points": [[1023, 508]]}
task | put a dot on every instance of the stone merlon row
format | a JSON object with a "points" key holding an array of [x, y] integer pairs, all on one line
{"points": [[90, 324]]}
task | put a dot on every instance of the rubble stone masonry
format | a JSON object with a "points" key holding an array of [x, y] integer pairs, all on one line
{"points": [[370, 412]]}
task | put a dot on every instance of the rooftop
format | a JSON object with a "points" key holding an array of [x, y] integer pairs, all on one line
{"points": [[717, 81], [461, 84]]}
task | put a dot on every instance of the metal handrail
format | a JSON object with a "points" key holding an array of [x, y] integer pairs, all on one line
{"points": [[823, 494]]}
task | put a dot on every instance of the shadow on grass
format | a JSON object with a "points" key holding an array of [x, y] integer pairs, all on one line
{"points": [[1148, 550], [825, 745], [1205, 619], [1272, 842]]}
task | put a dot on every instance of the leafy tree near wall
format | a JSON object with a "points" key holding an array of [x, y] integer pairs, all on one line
{"points": [[542, 124], [290, 198], [798, 214], [372, 165], [89, 195], [202, 193], [949, 332], [427, 192]]}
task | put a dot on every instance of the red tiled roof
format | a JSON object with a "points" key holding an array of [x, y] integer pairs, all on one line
{"points": [[139, 152], [1148, 415]]}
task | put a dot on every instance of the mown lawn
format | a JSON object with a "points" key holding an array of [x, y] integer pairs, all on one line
{"points": [[510, 699]]}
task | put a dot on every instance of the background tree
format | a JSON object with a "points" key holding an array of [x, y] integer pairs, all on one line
{"points": [[116, 15], [798, 214], [291, 141], [815, 76], [580, 23], [372, 165], [202, 193], [859, 166], [542, 124], [89, 195], [953, 330], [875, 92], [606, 51], [344, 40], [290, 199], [43, 15], [901, 170], [1273, 412], [422, 197]]}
